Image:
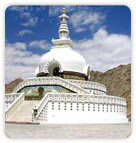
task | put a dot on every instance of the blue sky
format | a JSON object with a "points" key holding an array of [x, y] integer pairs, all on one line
{"points": [[95, 30]]}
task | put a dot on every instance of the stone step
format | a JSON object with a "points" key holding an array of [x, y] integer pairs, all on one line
{"points": [[24, 112]]}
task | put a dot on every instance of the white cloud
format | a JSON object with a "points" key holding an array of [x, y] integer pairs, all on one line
{"points": [[80, 29], [25, 32], [43, 44], [81, 19], [17, 45], [31, 21], [19, 61], [57, 10], [18, 8], [26, 13], [104, 50]]}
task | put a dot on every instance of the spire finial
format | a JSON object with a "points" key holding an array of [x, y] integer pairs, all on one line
{"points": [[63, 29], [63, 11]]}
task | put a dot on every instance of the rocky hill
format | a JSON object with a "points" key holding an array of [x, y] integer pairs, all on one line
{"points": [[9, 87], [117, 81]]}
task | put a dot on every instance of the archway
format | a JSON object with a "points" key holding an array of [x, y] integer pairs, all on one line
{"points": [[54, 69]]}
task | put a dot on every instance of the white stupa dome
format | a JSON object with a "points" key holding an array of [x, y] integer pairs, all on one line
{"points": [[66, 58]]}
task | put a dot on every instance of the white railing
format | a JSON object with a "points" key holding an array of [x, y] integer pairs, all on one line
{"points": [[10, 98], [104, 99], [38, 109], [89, 85], [51, 81], [78, 98], [14, 105]]}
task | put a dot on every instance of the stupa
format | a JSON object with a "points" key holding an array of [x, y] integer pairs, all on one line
{"points": [[61, 92]]}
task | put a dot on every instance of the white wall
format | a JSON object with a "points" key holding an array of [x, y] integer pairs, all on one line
{"points": [[77, 114]]}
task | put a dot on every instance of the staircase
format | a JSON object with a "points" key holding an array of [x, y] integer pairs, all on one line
{"points": [[23, 113]]}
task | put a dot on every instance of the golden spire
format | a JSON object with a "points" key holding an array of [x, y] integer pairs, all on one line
{"points": [[63, 11]]}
